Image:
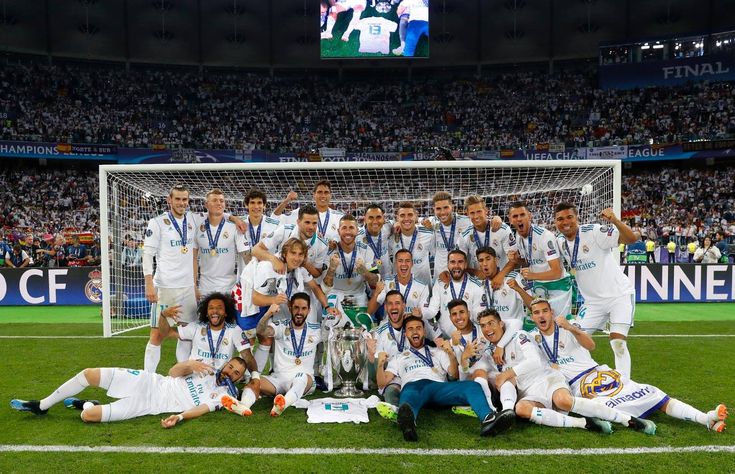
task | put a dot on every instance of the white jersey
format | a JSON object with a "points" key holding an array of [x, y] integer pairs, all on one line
{"points": [[318, 247], [192, 391], [328, 223], [349, 282], [375, 34], [352, 3], [500, 241], [477, 362], [410, 367], [415, 294], [218, 272], [524, 357], [597, 267], [442, 294], [227, 343], [419, 9], [284, 361], [338, 410], [174, 258], [445, 240], [420, 244], [378, 249], [538, 249], [506, 301], [266, 229], [268, 282], [390, 340], [563, 349]]}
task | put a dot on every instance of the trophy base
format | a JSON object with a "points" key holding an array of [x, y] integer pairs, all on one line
{"points": [[348, 390]]}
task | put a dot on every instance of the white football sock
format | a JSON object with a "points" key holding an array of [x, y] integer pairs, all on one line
{"points": [[482, 382], [261, 356], [248, 397], [330, 25], [682, 411], [622, 357], [183, 350], [297, 389], [591, 408], [508, 396], [152, 357], [68, 389], [546, 417]]}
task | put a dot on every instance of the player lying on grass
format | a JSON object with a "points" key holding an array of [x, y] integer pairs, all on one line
{"points": [[543, 392], [293, 364], [568, 347], [192, 389]]}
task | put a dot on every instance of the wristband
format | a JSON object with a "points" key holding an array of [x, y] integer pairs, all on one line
{"points": [[180, 417], [255, 375]]}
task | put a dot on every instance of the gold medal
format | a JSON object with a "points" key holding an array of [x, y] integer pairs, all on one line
{"points": [[184, 249], [298, 361], [213, 252], [349, 281]]}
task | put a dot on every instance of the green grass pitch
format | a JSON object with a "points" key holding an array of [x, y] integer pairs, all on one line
{"points": [[698, 370]]}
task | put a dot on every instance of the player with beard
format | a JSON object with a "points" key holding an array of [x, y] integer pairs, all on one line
{"points": [[376, 235], [328, 218], [293, 365], [418, 240], [215, 337], [541, 264], [414, 291], [504, 299], [192, 388], [347, 275], [543, 392], [460, 286], [608, 293], [567, 347], [423, 372]]}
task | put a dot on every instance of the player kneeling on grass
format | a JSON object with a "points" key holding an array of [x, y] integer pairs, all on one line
{"points": [[293, 363], [424, 372], [192, 388], [543, 390], [568, 347]]}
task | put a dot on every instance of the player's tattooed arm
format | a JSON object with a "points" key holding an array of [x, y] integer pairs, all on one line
{"points": [[262, 329]]}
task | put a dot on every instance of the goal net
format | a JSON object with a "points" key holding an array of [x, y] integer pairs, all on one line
{"points": [[130, 195]]}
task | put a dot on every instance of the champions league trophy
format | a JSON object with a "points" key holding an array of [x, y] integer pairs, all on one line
{"points": [[347, 349]]}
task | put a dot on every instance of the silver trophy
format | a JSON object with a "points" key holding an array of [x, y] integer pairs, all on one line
{"points": [[347, 349]]}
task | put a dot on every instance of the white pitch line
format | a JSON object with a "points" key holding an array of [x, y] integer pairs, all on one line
{"points": [[367, 451], [146, 337]]}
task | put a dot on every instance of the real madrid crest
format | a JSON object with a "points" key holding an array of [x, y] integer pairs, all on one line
{"points": [[166, 221], [534, 247], [585, 249], [310, 339], [415, 294], [392, 285], [495, 242], [201, 228], [538, 338], [286, 331], [405, 353], [225, 341], [420, 247], [204, 331], [225, 235]]}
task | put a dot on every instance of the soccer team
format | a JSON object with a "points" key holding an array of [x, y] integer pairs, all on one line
{"points": [[487, 329]]}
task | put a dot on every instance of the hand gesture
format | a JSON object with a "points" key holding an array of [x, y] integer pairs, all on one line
{"points": [[169, 422], [444, 277], [609, 215], [150, 293], [497, 281], [470, 350], [173, 312], [513, 284], [199, 367], [273, 309], [332, 311], [447, 347], [563, 323], [498, 355], [280, 298], [514, 257], [427, 223], [292, 196], [333, 262], [526, 273], [360, 266], [279, 266], [371, 344], [382, 356], [495, 223], [416, 312], [456, 336], [379, 287]]}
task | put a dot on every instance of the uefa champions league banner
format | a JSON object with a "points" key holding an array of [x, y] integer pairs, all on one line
{"points": [[691, 283], [50, 286], [668, 73]]}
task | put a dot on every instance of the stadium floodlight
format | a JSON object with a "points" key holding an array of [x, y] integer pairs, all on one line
{"points": [[132, 194]]}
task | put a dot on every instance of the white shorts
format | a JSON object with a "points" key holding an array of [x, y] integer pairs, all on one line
{"points": [[594, 314], [542, 388], [138, 393], [605, 385], [481, 364], [282, 381], [171, 297]]}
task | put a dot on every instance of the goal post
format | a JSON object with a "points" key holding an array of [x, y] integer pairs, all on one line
{"points": [[130, 195]]}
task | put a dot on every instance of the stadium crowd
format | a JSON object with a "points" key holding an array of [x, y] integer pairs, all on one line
{"points": [[106, 104]]}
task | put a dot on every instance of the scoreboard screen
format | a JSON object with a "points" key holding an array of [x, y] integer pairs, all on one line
{"points": [[374, 28]]}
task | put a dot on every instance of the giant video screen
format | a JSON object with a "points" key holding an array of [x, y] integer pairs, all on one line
{"points": [[374, 28]]}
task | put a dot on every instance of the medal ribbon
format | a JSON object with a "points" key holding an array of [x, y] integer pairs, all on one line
{"points": [[413, 241], [289, 284], [212, 349], [181, 233], [426, 359], [572, 255], [408, 288], [400, 343], [486, 243], [351, 268], [462, 340], [323, 227], [213, 242], [461, 290], [227, 382], [490, 294], [297, 350], [377, 249], [449, 245], [254, 237], [553, 356]]}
